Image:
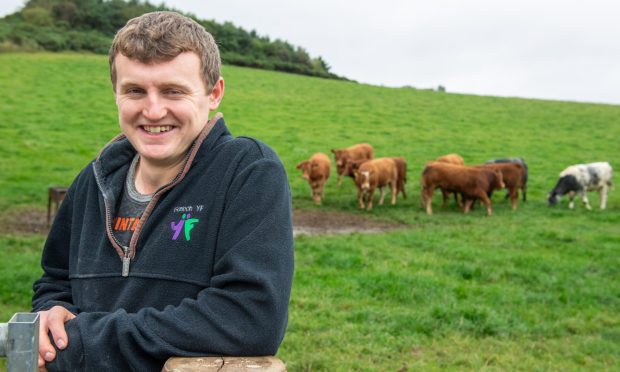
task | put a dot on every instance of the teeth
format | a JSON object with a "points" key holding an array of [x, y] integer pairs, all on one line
{"points": [[157, 129]]}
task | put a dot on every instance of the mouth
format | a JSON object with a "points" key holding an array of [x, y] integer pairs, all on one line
{"points": [[157, 129]]}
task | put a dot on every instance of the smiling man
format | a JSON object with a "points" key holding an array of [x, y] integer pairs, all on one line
{"points": [[177, 239]]}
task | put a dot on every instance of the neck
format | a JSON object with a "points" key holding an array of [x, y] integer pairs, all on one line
{"points": [[150, 177]]}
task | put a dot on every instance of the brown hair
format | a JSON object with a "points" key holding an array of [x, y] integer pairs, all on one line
{"points": [[161, 36]]}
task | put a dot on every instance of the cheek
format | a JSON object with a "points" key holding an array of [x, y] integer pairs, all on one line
{"points": [[127, 109]]}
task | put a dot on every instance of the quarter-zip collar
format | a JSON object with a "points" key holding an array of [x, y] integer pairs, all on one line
{"points": [[110, 169]]}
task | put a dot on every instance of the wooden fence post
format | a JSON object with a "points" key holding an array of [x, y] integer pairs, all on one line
{"points": [[224, 364], [55, 195]]}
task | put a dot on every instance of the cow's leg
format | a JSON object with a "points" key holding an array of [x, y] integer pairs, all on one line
{"points": [[371, 196], [603, 196], [339, 180], [381, 194], [571, 200], [402, 189], [360, 198], [485, 199], [467, 204], [514, 197], [584, 199], [427, 198], [445, 195], [316, 196], [394, 188]]}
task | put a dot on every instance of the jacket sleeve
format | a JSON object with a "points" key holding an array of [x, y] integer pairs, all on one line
{"points": [[54, 287], [244, 310]]}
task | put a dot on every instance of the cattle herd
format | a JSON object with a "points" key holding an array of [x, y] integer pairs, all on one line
{"points": [[449, 174]]}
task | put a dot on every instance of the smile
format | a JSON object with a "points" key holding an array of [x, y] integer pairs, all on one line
{"points": [[157, 129]]}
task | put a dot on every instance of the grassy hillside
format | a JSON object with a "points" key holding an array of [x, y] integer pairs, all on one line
{"points": [[531, 289]]}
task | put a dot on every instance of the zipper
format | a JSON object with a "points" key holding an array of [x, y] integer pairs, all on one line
{"points": [[121, 249], [126, 262]]}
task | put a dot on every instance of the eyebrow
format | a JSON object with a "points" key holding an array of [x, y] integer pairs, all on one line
{"points": [[165, 85]]}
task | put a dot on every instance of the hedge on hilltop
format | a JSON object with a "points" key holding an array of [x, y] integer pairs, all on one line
{"points": [[90, 25]]}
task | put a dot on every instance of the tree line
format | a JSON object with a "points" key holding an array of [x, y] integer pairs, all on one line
{"points": [[90, 25]]}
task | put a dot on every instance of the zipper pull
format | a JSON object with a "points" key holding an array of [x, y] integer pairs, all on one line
{"points": [[126, 262]]}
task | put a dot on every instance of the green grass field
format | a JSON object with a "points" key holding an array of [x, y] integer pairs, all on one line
{"points": [[533, 289]]}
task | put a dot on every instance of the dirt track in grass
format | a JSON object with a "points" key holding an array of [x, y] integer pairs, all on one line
{"points": [[305, 222]]}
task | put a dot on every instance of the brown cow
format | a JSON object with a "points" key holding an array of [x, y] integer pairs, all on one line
{"points": [[401, 165], [471, 182], [316, 171], [513, 175], [455, 159], [376, 173], [361, 151]]}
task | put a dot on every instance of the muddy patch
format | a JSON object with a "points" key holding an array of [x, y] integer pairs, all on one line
{"points": [[24, 221], [311, 222], [33, 220]]}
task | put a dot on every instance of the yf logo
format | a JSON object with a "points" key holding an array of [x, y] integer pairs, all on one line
{"points": [[185, 223]]}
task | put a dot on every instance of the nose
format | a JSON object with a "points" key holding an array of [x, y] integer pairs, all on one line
{"points": [[154, 108]]}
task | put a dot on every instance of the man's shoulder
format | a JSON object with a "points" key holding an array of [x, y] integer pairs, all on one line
{"points": [[253, 145]]}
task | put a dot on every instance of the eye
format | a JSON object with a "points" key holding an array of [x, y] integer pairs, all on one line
{"points": [[134, 91], [173, 92]]}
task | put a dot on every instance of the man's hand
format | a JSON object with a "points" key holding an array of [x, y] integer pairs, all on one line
{"points": [[52, 320]]}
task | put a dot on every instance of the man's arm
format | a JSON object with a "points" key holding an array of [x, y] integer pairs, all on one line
{"points": [[54, 303], [242, 312]]}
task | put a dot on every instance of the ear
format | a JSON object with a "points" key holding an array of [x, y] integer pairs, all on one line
{"points": [[216, 94], [333, 151], [298, 166]]}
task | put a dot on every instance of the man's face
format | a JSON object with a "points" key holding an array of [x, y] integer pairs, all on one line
{"points": [[162, 107]]}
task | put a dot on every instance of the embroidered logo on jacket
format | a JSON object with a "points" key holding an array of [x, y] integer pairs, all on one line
{"points": [[186, 224]]}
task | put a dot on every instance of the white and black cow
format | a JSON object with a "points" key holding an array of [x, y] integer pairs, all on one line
{"points": [[577, 179], [518, 161]]}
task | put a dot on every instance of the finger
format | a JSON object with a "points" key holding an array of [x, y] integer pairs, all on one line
{"points": [[59, 335], [45, 345]]}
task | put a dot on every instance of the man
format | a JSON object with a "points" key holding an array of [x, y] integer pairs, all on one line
{"points": [[177, 238]]}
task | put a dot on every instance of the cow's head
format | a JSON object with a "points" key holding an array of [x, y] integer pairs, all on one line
{"points": [[363, 179], [499, 180], [553, 198], [340, 158], [566, 185], [305, 167], [352, 166]]}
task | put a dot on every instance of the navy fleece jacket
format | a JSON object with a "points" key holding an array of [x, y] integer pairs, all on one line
{"points": [[210, 264]]}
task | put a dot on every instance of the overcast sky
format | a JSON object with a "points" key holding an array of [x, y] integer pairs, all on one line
{"points": [[552, 49]]}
